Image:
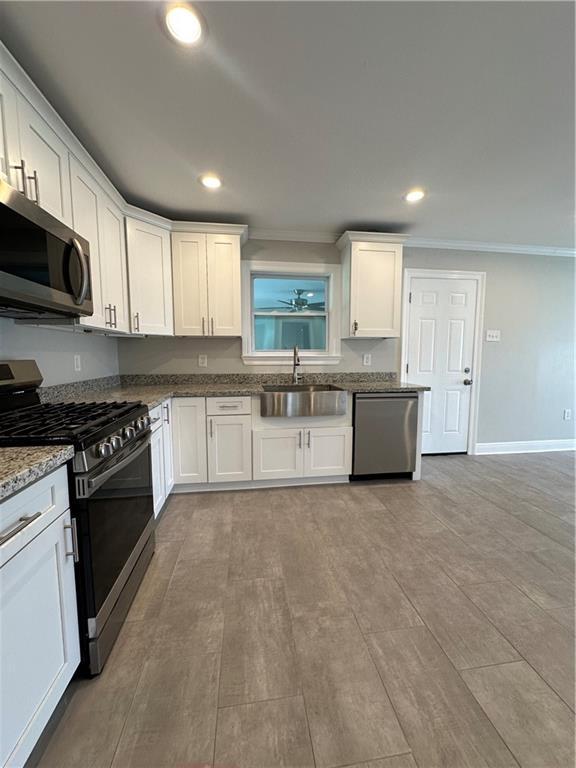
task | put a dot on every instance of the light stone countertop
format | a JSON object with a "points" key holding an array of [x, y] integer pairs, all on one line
{"points": [[20, 467]]}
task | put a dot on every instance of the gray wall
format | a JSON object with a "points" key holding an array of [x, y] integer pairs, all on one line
{"points": [[54, 351], [527, 377]]}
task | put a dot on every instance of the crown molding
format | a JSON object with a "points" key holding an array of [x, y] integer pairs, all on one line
{"points": [[292, 235], [368, 237], [211, 228], [487, 247]]}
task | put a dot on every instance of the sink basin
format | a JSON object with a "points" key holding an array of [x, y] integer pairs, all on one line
{"points": [[303, 400]]}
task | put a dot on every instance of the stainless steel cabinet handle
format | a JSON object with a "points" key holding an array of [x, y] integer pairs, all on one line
{"points": [[225, 405], [73, 530], [300, 439], [211, 428], [34, 178], [115, 316], [106, 316], [23, 177], [137, 321], [355, 327], [309, 439], [212, 324], [467, 382], [167, 410], [22, 523], [203, 329]]}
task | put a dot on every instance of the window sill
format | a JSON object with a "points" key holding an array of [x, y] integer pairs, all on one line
{"points": [[287, 360]]}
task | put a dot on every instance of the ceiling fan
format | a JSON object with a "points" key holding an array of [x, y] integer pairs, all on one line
{"points": [[300, 302]]}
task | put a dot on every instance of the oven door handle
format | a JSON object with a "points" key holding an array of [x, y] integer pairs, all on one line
{"points": [[95, 482]]}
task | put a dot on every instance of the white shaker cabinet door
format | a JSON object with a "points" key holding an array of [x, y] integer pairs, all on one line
{"points": [[10, 156], [224, 291], [278, 453], [47, 167], [328, 451], [229, 448], [189, 436], [39, 637], [168, 446], [190, 284], [150, 278], [157, 461], [85, 220], [114, 267], [375, 289]]}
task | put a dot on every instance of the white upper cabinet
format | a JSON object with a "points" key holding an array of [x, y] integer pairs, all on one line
{"points": [[150, 278], [190, 284], [207, 289], [372, 285], [46, 161], [10, 156], [112, 238], [85, 220]]}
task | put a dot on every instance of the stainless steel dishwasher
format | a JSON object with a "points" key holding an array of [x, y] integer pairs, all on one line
{"points": [[385, 433]]}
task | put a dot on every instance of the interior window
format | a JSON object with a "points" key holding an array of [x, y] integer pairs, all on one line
{"points": [[289, 310]]}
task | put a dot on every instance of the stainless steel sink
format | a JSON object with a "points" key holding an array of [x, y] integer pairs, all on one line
{"points": [[292, 400]]}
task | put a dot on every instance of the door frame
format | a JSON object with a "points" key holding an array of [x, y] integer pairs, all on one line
{"points": [[480, 278]]}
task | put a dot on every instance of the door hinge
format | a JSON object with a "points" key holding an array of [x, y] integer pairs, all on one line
{"points": [[410, 298]]}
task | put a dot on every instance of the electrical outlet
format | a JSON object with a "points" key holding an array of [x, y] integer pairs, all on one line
{"points": [[77, 363], [367, 359], [567, 414], [202, 361], [492, 335]]}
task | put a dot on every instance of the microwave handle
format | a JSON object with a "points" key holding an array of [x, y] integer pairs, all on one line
{"points": [[79, 299]]}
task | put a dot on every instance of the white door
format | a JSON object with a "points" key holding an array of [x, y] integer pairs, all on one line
{"points": [[189, 434], [10, 157], [278, 453], [229, 448], [114, 267], [190, 284], [157, 460], [223, 258], [375, 289], [440, 355], [39, 637], [328, 451], [47, 167], [150, 278], [85, 220], [168, 458]]}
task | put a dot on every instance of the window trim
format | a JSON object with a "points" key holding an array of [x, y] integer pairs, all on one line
{"points": [[332, 355]]}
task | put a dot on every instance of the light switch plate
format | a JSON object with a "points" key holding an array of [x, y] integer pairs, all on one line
{"points": [[492, 335], [202, 361], [77, 363], [367, 359]]}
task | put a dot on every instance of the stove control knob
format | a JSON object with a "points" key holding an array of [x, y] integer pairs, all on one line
{"points": [[147, 421], [116, 442], [140, 425], [128, 433], [104, 450]]}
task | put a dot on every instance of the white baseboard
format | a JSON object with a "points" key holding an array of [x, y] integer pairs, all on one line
{"points": [[252, 485], [528, 446]]}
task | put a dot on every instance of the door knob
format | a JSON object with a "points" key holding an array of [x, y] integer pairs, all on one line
{"points": [[467, 382]]}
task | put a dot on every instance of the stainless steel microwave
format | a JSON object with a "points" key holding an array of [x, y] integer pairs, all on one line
{"points": [[44, 265]]}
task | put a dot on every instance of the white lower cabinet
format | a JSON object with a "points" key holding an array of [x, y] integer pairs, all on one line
{"points": [[39, 623], [278, 454], [157, 458], [229, 448], [189, 440], [168, 452], [293, 453]]}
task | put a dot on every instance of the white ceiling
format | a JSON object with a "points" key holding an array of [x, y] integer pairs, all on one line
{"points": [[318, 116]]}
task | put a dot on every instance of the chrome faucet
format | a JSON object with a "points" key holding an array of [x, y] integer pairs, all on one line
{"points": [[295, 365]]}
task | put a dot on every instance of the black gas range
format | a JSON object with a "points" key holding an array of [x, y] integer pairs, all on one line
{"points": [[110, 488]]}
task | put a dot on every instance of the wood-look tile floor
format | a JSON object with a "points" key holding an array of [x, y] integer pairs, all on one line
{"points": [[391, 625]]}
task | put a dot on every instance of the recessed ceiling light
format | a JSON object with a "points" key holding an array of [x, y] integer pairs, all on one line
{"points": [[183, 23], [414, 195], [210, 181]]}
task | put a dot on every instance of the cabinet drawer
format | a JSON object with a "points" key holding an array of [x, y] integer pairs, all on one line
{"points": [[224, 405], [41, 502]]}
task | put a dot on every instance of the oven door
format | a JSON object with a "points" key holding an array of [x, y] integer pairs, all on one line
{"points": [[44, 265], [114, 514]]}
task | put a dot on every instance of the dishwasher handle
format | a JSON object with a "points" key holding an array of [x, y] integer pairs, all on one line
{"points": [[409, 395]]}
